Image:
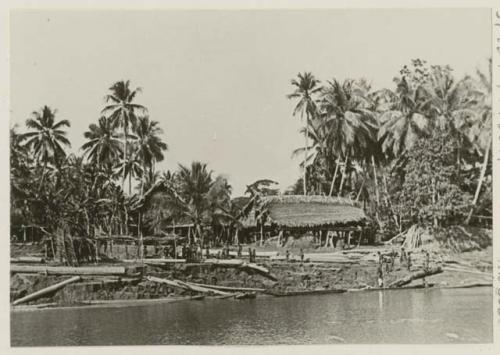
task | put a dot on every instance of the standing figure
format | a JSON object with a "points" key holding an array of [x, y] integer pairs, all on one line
{"points": [[408, 261], [402, 257], [301, 255], [427, 261]]}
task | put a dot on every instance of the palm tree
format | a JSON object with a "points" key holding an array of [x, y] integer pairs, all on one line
{"points": [[406, 121], [47, 137], [149, 146], [122, 112], [103, 146], [482, 136], [306, 87], [132, 168], [452, 106], [350, 120]]}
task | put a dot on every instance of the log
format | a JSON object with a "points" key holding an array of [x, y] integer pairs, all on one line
{"points": [[64, 270], [50, 289], [256, 267], [156, 261], [186, 285], [196, 288], [231, 262], [414, 276], [228, 288], [27, 259]]}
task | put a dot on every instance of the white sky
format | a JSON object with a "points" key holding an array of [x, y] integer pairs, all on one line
{"points": [[216, 80]]}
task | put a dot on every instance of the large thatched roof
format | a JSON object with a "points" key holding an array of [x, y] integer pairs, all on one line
{"points": [[295, 211]]}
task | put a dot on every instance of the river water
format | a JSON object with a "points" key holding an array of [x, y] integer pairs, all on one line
{"points": [[401, 316]]}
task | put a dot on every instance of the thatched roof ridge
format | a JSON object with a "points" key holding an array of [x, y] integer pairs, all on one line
{"points": [[310, 199], [293, 211]]}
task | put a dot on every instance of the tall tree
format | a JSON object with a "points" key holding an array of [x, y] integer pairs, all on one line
{"points": [[350, 120], [306, 86], [46, 138], [123, 112], [405, 122], [482, 127], [149, 144], [103, 145]]}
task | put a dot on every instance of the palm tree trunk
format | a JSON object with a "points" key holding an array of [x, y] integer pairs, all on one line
{"points": [[361, 189], [343, 175], [43, 176], [124, 156], [334, 176], [480, 182], [306, 152], [375, 180]]}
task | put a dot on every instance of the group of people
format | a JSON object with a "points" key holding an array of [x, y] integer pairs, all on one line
{"points": [[405, 259]]}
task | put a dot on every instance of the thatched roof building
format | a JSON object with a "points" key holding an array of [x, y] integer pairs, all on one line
{"points": [[304, 212]]}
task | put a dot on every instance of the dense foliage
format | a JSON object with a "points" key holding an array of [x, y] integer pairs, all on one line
{"points": [[417, 154]]}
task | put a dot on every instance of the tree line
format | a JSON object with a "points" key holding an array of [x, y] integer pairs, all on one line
{"points": [[418, 153]]}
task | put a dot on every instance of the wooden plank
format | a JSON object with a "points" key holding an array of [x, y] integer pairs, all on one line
{"points": [[50, 289]]}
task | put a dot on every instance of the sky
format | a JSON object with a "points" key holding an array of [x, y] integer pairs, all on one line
{"points": [[217, 80]]}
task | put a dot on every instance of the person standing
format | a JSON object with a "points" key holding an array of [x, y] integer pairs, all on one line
{"points": [[380, 276], [402, 257], [301, 255], [287, 255], [427, 261], [408, 260], [240, 248], [250, 254]]}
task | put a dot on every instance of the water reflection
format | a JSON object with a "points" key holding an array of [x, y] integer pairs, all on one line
{"points": [[418, 316]]}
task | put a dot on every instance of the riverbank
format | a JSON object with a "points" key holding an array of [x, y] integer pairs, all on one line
{"points": [[329, 271]]}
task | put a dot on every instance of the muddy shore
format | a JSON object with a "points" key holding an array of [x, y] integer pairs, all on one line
{"points": [[285, 277]]}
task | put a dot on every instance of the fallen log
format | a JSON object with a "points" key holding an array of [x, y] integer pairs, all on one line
{"points": [[28, 259], [50, 289], [228, 288], [231, 262], [186, 286], [414, 276], [64, 270], [196, 288], [156, 261]]}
